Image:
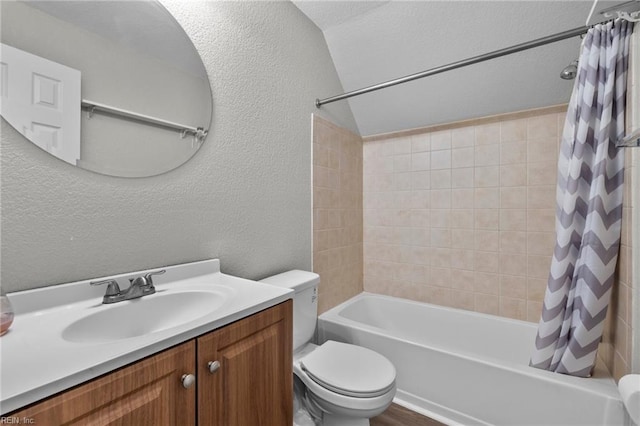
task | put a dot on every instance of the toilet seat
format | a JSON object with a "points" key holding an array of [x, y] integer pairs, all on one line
{"points": [[349, 370], [330, 401]]}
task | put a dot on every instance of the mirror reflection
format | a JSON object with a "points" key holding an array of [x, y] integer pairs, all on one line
{"points": [[112, 87]]}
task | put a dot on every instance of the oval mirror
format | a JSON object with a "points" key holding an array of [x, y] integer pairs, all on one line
{"points": [[115, 87]]}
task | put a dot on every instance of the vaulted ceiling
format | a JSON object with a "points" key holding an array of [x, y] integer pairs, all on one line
{"points": [[375, 41]]}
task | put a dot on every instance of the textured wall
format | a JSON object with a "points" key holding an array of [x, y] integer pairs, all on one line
{"points": [[245, 197], [463, 215], [337, 212]]}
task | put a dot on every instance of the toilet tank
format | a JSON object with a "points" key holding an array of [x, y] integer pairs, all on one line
{"points": [[305, 302]]}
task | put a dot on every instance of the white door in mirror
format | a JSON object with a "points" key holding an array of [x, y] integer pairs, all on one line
{"points": [[41, 99]]}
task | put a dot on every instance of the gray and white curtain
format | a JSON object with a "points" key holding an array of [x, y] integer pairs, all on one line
{"points": [[589, 206]]}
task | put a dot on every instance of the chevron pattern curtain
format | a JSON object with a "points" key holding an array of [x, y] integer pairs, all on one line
{"points": [[589, 207]]}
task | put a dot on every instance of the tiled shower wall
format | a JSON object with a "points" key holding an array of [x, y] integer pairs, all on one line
{"points": [[617, 346], [616, 349], [337, 212], [463, 215]]}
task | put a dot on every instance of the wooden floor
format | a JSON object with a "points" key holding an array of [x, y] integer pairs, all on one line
{"points": [[400, 416]]}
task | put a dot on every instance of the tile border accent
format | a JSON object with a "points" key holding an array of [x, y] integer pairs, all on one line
{"points": [[470, 122]]}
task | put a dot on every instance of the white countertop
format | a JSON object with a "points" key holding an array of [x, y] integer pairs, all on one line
{"points": [[36, 362]]}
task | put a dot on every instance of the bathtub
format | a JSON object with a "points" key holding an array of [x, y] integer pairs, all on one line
{"points": [[461, 367]]}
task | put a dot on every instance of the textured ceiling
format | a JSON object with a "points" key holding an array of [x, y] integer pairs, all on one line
{"points": [[372, 42]]}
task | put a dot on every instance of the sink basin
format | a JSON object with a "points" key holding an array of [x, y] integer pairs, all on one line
{"points": [[139, 317]]}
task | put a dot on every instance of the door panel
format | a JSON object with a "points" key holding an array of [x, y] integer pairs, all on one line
{"points": [[41, 99]]}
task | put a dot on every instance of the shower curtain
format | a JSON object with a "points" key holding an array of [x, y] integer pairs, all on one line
{"points": [[589, 207]]}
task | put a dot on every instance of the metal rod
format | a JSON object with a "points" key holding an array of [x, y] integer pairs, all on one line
{"points": [[459, 64], [95, 106], [629, 141]]}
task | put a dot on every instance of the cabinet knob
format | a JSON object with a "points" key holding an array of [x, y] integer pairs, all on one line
{"points": [[188, 380], [213, 366]]}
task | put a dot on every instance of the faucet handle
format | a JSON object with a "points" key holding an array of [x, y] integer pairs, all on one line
{"points": [[113, 289], [148, 276]]}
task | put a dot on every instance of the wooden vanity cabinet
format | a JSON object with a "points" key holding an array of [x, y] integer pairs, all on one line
{"points": [[253, 385], [148, 392], [252, 381]]}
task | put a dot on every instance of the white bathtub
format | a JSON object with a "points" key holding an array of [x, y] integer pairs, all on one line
{"points": [[462, 367]]}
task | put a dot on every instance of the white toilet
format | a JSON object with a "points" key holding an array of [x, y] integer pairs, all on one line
{"points": [[345, 384]]}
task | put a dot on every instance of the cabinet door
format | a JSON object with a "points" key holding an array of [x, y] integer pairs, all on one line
{"points": [[149, 392], [253, 385]]}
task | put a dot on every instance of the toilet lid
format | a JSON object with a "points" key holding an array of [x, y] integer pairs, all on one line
{"points": [[349, 370]]}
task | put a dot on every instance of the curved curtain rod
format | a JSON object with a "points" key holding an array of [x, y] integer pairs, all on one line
{"points": [[459, 64]]}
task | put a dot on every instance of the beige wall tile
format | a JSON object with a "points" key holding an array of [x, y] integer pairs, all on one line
{"points": [[441, 140], [462, 178], [486, 283], [440, 159], [462, 137], [513, 286], [541, 174], [513, 308], [513, 264], [513, 197], [543, 150], [487, 198], [463, 300], [463, 217], [420, 161], [486, 176], [513, 175], [487, 240], [513, 242], [462, 157], [513, 219], [440, 218], [487, 219], [441, 179], [462, 259], [462, 198], [545, 126], [513, 130], [419, 181], [541, 243], [421, 142], [538, 219], [338, 192], [463, 239], [538, 266], [441, 199], [487, 155], [487, 304], [487, 262], [534, 310], [513, 152], [487, 134], [541, 197]]}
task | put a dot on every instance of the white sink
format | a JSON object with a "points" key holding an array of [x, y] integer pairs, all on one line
{"points": [[146, 315], [84, 338]]}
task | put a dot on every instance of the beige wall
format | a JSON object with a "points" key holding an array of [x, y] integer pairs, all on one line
{"points": [[616, 347], [463, 215], [337, 212], [618, 340]]}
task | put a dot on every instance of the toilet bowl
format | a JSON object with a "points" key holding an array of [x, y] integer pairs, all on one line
{"points": [[348, 384], [344, 384]]}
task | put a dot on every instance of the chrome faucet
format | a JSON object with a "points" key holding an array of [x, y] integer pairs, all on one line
{"points": [[139, 286]]}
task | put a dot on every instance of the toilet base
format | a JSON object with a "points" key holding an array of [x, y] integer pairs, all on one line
{"points": [[333, 420]]}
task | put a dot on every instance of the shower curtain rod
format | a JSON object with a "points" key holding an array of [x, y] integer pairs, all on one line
{"points": [[459, 64]]}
